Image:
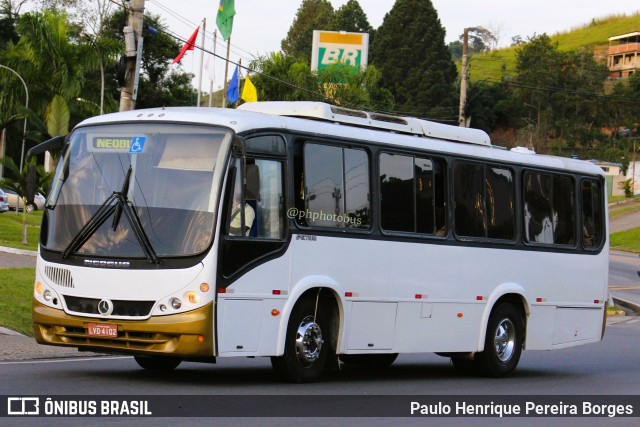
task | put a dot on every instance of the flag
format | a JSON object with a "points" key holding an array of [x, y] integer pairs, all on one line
{"points": [[249, 93], [224, 20], [188, 46], [210, 67], [233, 90]]}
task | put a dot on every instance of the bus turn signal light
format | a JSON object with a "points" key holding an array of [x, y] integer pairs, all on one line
{"points": [[275, 312]]}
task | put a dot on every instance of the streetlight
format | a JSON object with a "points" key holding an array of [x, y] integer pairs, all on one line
{"points": [[88, 37], [24, 130]]}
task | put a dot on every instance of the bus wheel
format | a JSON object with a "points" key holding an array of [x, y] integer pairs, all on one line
{"points": [[158, 363], [307, 344], [503, 343], [370, 360]]}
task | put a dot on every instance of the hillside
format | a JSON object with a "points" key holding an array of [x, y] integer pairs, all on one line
{"points": [[495, 65]]}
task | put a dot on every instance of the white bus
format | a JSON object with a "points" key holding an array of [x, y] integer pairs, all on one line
{"points": [[314, 234]]}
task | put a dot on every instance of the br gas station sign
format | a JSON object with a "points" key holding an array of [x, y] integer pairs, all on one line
{"points": [[339, 47]]}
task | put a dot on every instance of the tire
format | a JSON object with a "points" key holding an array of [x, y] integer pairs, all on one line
{"points": [[31, 207], [503, 342], [307, 344], [369, 360], [158, 363]]}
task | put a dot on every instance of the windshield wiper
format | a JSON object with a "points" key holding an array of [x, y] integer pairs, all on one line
{"points": [[121, 204]]}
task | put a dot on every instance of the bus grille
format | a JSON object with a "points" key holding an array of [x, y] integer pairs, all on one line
{"points": [[120, 307], [59, 276]]}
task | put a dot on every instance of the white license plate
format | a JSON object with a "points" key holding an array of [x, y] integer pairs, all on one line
{"points": [[102, 330]]}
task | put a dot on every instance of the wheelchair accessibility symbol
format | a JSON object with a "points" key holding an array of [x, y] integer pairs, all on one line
{"points": [[137, 144]]}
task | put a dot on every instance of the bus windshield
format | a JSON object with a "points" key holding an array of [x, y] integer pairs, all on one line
{"points": [[167, 173]]}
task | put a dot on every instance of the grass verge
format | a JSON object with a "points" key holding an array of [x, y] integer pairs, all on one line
{"points": [[11, 230], [626, 240], [16, 288]]}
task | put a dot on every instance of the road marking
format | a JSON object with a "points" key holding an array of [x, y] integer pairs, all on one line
{"points": [[22, 362]]}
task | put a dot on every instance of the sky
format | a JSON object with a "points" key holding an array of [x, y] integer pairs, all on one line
{"points": [[260, 25]]}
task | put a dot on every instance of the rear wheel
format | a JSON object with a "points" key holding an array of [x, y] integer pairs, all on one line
{"points": [[503, 342], [158, 363], [371, 360], [307, 344]]}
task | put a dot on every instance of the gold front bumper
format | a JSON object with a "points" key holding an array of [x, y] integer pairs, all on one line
{"points": [[188, 335]]}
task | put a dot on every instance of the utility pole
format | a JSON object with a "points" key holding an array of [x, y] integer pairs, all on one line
{"points": [[132, 40], [462, 119]]}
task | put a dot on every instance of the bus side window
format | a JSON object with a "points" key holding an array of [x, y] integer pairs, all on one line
{"points": [[591, 214], [263, 202]]}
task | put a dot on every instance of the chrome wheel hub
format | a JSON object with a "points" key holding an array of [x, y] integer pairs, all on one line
{"points": [[505, 340], [308, 341]]}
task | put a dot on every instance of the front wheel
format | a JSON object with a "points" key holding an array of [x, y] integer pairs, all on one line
{"points": [[503, 343], [158, 363], [307, 344]]}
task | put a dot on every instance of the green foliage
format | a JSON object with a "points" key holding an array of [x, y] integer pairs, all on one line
{"points": [[285, 78], [626, 240], [16, 287], [351, 18], [626, 187], [159, 84], [312, 15], [57, 117], [416, 66]]}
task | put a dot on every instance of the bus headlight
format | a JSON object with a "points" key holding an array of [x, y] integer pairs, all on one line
{"points": [[47, 295], [175, 303]]}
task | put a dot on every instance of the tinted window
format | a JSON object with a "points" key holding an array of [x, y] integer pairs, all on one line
{"points": [[500, 203], [413, 194], [469, 198], [484, 198], [549, 211], [592, 215], [397, 192], [335, 187]]}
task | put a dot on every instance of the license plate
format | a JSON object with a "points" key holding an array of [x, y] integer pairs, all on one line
{"points": [[102, 330]]}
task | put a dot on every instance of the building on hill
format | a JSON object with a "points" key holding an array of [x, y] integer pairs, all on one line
{"points": [[624, 55], [614, 175]]}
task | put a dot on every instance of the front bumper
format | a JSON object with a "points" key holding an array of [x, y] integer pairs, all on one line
{"points": [[187, 335]]}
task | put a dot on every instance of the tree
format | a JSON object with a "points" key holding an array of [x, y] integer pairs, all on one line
{"points": [[415, 63], [90, 14], [160, 84], [312, 15], [351, 18], [284, 78]]}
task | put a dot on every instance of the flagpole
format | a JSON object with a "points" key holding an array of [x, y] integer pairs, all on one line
{"points": [[226, 72], [204, 30], [215, 42], [235, 104]]}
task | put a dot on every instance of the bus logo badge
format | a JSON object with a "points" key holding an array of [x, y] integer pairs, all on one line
{"points": [[105, 307]]}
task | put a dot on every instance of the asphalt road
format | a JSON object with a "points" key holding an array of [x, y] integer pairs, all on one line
{"points": [[611, 367]]}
